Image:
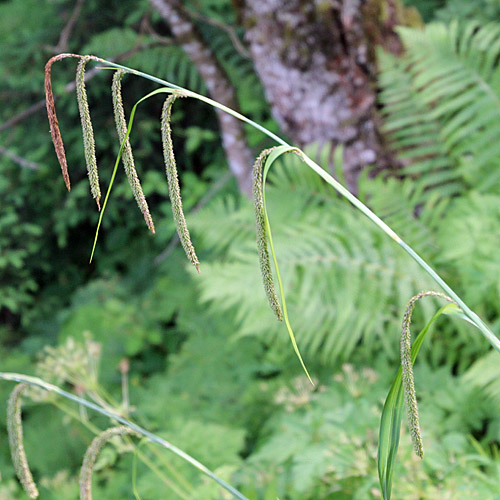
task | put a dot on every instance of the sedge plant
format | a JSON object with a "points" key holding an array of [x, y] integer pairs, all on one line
{"points": [[403, 386]]}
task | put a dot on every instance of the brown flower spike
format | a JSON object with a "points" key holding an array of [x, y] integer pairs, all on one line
{"points": [[127, 156], [173, 183], [16, 442], [51, 113]]}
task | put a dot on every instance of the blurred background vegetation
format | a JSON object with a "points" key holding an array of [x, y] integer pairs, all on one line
{"points": [[415, 97]]}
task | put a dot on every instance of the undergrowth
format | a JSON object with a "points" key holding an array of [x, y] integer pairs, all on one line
{"points": [[408, 82]]}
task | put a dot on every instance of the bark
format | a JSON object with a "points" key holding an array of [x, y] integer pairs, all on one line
{"points": [[316, 60], [238, 153]]}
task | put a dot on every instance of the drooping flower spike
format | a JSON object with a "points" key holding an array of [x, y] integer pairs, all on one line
{"points": [[127, 156], [91, 455], [88, 130], [173, 182], [407, 372], [16, 442], [51, 110]]}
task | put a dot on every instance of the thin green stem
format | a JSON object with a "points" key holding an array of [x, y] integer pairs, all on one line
{"points": [[471, 315], [169, 483]]}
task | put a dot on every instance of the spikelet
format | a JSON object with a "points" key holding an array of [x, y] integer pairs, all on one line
{"points": [[407, 372], [173, 183], [51, 113], [91, 457], [16, 442], [265, 263], [127, 157], [88, 131]]}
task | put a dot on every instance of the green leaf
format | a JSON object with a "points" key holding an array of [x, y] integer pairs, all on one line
{"points": [[390, 422]]}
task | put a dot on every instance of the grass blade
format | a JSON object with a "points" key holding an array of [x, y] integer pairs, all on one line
{"points": [[471, 315]]}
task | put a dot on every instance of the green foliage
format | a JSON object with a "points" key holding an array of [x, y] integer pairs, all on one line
{"points": [[427, 8], [171, 64], [18, 241], [449, 10], [321, 444], [481, 10], [442, 105], [209, 366]]}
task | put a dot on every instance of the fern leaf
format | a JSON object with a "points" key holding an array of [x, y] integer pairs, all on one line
{"points": [[442, 105]]}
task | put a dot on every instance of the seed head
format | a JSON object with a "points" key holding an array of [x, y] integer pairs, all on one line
{"points": [[16, 442], [88, 131], [91, 457], [173, 182], [407, 372], [127, 156], [262, 248], [51, 113]]}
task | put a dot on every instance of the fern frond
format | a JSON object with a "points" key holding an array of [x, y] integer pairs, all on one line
{"points": [[127, 156], [238, 226], [413, 134], [170, 63], [442, 104], [473, 259], [406, 206]]}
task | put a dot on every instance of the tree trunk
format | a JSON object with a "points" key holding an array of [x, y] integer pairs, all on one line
{"points": [[239, 155], [316, 60]]}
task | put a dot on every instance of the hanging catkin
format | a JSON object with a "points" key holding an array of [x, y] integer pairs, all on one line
{"points": [[127, 156], [173, 183], [51, 113], [88, 131], [407, 372], [263, 251], [91, 455], [16, 442]]}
